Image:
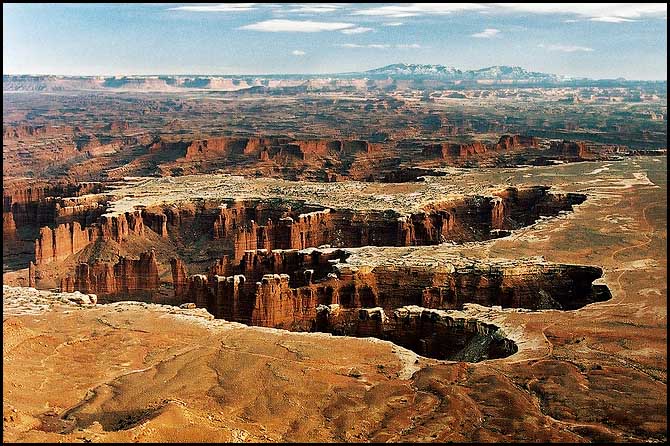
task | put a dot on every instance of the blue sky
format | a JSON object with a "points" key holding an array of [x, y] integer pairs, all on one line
{"points": [[592, 40]]}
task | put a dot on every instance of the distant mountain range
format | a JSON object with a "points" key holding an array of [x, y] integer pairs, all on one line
{"points": [[498, 72], [412, 75]]}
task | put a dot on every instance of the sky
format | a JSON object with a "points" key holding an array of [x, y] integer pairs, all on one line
{"points": [[585, 40]]}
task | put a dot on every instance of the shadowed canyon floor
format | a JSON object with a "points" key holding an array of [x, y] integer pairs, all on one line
{"points": [[131, 371]]}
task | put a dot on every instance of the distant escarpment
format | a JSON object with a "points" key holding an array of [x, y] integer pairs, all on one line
{"points": [[326, 159], [272, 83], [317, 159], [452, 151]]}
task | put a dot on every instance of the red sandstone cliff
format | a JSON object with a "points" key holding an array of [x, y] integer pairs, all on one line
{"points": [[570, 149], [8, 226], [179, 277], [264, 149], [69, 238], [33, 204], [59, 243], [512, 142], [25, 131], [447, 151], [273, 302], [278, 305], [126, 278]]}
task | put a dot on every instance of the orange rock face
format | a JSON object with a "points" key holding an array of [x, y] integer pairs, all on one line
{"points": [[69, 238], [179, 277], [31, 275], [279, 149], [222, 267], [25, 131], [570, 149], [512, 142], [33, 202], [278, 305], [67, 284], [118, 227], [450, 151], [128, 277], [8, 226], [311, 229], [276, 289], [58, 244]]}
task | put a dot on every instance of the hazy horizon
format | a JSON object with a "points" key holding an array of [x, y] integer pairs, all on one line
{"points": [[130, 75], [597, 41]]}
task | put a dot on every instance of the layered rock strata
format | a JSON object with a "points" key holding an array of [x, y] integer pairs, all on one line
{"points": [[237, 226], [290, 301], [432, 333], [263, 148], [570, 150], [69, 238], [450, 151], [127, 278], [34, 202]]}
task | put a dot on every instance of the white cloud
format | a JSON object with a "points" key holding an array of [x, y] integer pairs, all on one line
{"points": [[417, 9], [358, 30], [603, 12], [316, 8], [298, 52], [380, 46], [371, 45], [565, 48], [597, 12], [488, 33], [611, 19], [224, 7], [298, 26]]}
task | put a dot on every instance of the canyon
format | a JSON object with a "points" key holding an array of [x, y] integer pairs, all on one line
{"points": [[283, 263], [228, 259], [440, 347]]}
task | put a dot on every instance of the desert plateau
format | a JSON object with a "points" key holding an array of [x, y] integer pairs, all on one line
{"points": [[411, 253]]}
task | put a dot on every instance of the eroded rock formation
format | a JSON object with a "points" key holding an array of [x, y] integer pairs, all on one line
{"points": [[59, 243], [575, 150], [66, 239], [451, 151], [237, 226], [34, 203], [27, 131], [8, 226], [265, 148], [290, 301], [127, 278], [179, 277], [432, 333]]}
